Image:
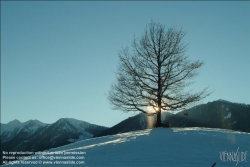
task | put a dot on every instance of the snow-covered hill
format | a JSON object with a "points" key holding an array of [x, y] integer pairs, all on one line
{"points": [[172, 147], [216, 114]]}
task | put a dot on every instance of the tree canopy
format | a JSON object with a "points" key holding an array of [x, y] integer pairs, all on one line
{"points": [[152, 77]]}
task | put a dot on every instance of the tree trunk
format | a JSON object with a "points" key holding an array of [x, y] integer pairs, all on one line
{"points": [[158, 123]]}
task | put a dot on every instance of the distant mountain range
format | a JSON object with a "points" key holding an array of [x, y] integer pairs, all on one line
{"points": [[34, 135], [14, 128]]}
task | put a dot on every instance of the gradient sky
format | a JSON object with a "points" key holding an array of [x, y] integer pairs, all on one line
{"points": [[58, 58]]}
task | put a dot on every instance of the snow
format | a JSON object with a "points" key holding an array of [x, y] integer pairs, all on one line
{"points": [[71, 140], [33, 125], [228, 115], [226, 107], [8, 128], [79, 125], [81, 137], [172, 147], [12, 128], [52, 140]]}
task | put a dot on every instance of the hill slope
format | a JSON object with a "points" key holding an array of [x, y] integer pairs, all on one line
{"points": [[172, 147], [137, 122], [216, 114]]}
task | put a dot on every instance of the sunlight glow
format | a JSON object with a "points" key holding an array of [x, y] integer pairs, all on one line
{"points": [[151, 109], [156, 108]]}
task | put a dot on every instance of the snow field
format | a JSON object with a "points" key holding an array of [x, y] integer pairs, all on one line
{"points": [[168, 147]]}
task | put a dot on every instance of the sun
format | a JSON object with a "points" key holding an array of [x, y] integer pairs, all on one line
{"points": [[152, 109], [156, 108]]}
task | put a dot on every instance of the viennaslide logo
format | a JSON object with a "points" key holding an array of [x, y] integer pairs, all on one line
{"points": [[233, 156]]}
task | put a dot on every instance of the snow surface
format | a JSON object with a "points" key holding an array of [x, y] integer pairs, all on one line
{"points": [[16, 124], [228, 115], [12, 128], [81, 137], [79, 126], [166, 147], [234, 122]]}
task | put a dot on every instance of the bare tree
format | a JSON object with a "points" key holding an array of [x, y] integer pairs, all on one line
{"points": [[154, 76]]}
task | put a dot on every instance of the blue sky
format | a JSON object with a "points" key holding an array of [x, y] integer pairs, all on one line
{"points": [[58, 58]]}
